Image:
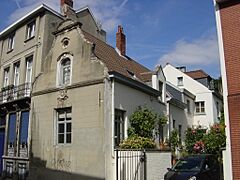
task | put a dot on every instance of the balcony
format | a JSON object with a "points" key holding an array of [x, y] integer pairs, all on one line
{"points": [[12, 93]]}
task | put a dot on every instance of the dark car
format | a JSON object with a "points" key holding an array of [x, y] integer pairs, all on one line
{"points": [[195, 167]]}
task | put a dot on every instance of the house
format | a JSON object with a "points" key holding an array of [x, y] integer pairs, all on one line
{"points": [[180, 109], [227, 14], [207, 103], [66, 95]]}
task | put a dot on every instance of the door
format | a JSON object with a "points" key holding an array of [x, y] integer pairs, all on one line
{"points": [[2, 138]]}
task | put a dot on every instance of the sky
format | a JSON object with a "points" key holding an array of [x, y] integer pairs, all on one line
{"points": [[179, 32]]}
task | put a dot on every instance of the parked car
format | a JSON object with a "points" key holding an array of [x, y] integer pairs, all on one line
{"points": [[195, 167]]}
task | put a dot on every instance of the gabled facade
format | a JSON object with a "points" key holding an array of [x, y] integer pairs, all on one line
{"points": [[67, 96], [208, 104]]}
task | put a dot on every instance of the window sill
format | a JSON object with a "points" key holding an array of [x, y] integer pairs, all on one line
{"points": [[29, 39], [9, 51], [200, 114]]}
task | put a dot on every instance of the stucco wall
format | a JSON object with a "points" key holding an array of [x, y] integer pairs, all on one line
{"points": [[85, 95], [86, 152], [157, 164]]}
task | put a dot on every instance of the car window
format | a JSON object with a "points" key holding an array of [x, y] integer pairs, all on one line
{"points": [[210, 163], [188, 164]]}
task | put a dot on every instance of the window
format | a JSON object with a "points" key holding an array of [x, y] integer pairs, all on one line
{"points": [[12, 134], [24, 129], [29, 61], [16, 74], [6, 77], [118, 127], [64, 70], [200, 107], [30, 30], [188, 106], [64, 126], [180, 81], [11, 42], [174, 124], [180, 134]]}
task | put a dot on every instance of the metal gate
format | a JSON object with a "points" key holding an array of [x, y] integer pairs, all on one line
{"points": [[131, 165]]}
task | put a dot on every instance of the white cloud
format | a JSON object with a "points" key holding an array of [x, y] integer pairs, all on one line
{"points": [[200, 52], [108, 12]]}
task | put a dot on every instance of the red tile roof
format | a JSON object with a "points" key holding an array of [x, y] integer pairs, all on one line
{"points": [[115, 62], [197, 74]]}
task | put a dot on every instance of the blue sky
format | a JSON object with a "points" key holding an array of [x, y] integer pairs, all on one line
{"points": [[182, 33]]}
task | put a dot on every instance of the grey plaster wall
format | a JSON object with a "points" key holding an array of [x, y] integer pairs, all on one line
{"points": [[85, 156], [157, 164]]}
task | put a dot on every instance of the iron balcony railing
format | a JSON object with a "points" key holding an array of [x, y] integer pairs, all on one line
{"points": [[12, 92]]}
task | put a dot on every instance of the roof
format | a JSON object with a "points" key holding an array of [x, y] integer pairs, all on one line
{"points": [[27, 16], [173, 92], [221, 1], [197, 74], [116, 63]]}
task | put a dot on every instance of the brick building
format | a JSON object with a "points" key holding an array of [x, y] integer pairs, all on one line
{"points": [[228, 27]]}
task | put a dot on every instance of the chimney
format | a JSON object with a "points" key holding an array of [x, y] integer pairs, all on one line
{"points": [[66, 5], [121, 41]]}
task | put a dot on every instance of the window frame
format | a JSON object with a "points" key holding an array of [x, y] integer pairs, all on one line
{"points": [[11, 42], [29, 61], [67, 120], [119, 127], [188, 106], [59, 81], [6, 76], [200, 107], [16, 74], [30, 30], [180, 81]]}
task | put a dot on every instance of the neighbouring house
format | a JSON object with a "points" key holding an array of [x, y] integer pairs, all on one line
{"points": [[227, 14], [180, 109], [66, 95], [207, 102]]}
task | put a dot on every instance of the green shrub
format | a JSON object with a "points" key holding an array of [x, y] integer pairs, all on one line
{"points": [[137, 142]]}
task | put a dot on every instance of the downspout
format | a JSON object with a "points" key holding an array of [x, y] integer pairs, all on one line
{"points": [[113, 116]]}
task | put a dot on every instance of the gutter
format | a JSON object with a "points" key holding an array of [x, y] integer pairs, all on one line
{"points": [[134, 84]]}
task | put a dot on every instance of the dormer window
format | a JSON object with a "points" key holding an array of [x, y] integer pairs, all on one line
{"points": [[64, 70], [30, 30], [180, 81], [11, 42]]}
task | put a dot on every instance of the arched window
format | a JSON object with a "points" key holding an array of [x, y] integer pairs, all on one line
{"points": [[64, 70]]}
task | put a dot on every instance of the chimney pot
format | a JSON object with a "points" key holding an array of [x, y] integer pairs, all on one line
{"points": [[65, 5], [121, 41]]}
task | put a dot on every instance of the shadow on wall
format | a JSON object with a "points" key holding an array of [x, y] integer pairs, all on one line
{"points": [[38, 171], [48, 174]]}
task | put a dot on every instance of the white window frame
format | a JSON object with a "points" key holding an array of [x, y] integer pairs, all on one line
{"points": [[66, 114], [11, 42], [60, 70], [200, 107], [31, 30], [29, 67], [180, 81], [16, 76], [119, 120], [6, 77]]}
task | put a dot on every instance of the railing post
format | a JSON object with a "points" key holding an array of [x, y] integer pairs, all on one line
{"points": [[145, 164], [117, 164]]}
